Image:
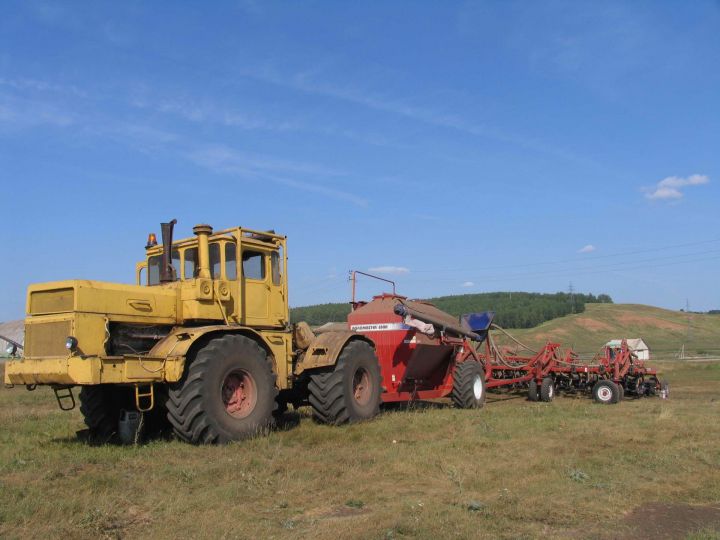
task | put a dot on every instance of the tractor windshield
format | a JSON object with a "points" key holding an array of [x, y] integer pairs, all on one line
{"points": [[185, 263]]}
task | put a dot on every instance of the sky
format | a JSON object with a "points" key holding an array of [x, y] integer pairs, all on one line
{"points": [[454, 147]]}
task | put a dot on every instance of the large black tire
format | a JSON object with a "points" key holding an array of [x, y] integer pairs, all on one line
{"points": [[102, 406], [101, 411], [605, 392], [621, 393], [227, 393], [533, 394], [351, 391], [547, 389], [468, 385]]}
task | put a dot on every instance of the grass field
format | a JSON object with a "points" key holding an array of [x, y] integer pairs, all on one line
{"points": [[664, 331], [645, 468]]}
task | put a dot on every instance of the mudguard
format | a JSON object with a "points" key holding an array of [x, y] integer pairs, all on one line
{"points": [[326, 348]]}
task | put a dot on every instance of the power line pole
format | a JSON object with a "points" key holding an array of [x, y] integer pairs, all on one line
{"points": [[571, 291]]}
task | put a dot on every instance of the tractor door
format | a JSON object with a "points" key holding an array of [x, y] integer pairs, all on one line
{"points": [[256, 286], [264, 285]]}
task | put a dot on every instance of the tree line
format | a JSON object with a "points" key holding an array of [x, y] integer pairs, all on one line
{"points": [[512, 309]]}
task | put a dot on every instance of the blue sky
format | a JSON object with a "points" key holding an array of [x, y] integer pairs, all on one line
{"points": [[459, 147]]}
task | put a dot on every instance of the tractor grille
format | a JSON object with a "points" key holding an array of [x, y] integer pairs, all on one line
{"points": [[47, 339], [53, 301]]}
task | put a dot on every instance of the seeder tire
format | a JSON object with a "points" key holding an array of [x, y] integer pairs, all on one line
{"points": [[227, 393], [468, 385], [547, 389], [621, 392], [351, 391], [533, 394], [605, 392]]}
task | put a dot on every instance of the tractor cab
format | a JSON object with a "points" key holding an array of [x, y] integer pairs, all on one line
{"points": [[236, 275]]}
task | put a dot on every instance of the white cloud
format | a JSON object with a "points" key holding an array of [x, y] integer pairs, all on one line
{"points": [[671, 187], [390, 270], [468, 284], [587, 249]]}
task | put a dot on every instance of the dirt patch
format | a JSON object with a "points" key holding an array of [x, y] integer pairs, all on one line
{"points": [[592, 324], [645, 320], [671, 520]]}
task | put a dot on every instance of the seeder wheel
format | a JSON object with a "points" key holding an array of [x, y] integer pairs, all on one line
{"points": [[468, 385], [533, 394], [606, 392], [547, 389]]}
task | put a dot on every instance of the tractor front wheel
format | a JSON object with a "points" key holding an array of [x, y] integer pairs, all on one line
{"points": [[227, 393], [351, 391], [101, 411], [468, 385]]}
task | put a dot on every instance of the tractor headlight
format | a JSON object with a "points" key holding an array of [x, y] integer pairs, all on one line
{"points": [[11, 349], [71, 343]]}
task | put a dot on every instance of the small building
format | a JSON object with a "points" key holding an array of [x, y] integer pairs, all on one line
{"points": [[636, 345]]}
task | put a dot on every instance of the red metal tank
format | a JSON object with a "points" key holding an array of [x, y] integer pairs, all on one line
{"points": [[413, 365]]}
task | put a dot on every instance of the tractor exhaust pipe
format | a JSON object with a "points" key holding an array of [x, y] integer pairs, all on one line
{"points": [[167, 272], [203, 232]]}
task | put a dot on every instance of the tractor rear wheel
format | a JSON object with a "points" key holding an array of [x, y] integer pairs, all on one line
{"points": [[547, 389], [468, 385], [605, 392], [533, 394], [351, 391], [227, 393]]}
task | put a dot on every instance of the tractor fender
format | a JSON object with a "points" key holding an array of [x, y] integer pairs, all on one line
{"points": [[181, 340], [325, 349]]}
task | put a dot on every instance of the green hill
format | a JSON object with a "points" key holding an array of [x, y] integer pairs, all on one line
{"points": [[513, 309], [664, 331]]}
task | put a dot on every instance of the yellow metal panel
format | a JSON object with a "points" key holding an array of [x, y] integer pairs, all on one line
{"points": [[47, 338], [158, 303], [50, 301], [74, 370]]}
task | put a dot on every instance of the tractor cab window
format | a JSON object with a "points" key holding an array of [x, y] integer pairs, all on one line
{"points": [[154, 264], [230, 261], [275, 264], [191, 262], [253, 265], [215, 265], [154, 270]]}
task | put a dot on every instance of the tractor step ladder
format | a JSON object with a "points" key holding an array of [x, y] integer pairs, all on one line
{"points": [[144, 400], [65, 397]]}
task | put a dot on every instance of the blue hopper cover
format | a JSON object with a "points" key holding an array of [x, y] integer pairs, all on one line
{"points": [[478, 322]]}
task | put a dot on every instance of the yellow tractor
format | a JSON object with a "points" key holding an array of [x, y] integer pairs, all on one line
{"points": [[202, 345]]}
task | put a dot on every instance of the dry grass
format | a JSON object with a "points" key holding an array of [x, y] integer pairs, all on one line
{"points": [[515, 469]]}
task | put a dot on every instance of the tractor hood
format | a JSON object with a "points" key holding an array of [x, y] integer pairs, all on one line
{"points": [[113, 300]]}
